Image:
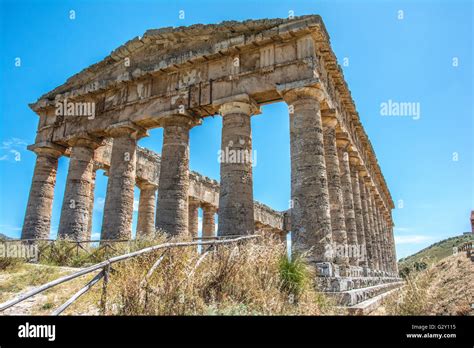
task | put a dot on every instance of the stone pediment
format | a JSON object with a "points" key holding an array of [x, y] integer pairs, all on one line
{"points": [[165, 49]]}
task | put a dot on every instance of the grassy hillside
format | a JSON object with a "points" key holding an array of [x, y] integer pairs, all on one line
{"points": [[443, 288], [434, 252]]}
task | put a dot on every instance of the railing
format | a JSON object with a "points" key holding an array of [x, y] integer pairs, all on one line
{"points": [[467, 247], [106, 246], [105, 268]]}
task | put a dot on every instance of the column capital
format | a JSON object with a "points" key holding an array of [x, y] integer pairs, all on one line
{"points": [[354, 158], [125, 128], [48, 149], [185, 120], [343, 141], [194, 202], [238, 104], [329, 118], [145, 185], [362, 170], [84, 139], [293, 94], [209, 207]]}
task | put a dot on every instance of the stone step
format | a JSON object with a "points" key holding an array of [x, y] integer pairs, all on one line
{"points": [[355, 296], [338, 284], [371, 304]]}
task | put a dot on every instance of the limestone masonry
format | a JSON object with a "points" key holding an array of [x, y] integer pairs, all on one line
{"points": [[174, 78]]}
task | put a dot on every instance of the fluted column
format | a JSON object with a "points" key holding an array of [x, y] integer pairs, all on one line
{"points": [[310, 213], [37, 222], [193, 218], [338, 222], [208, 221], [236, 206], [146, 210], [118, 208], [172, 210], [346, 181], [366, 217], [76, 207], [359, 218]]}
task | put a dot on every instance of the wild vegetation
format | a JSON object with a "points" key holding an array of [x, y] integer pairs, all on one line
{"points": [[430, 255], [249, 278]]}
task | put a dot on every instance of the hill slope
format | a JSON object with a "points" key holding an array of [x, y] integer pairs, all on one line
{"points": [[434, 252], [444, 288]]}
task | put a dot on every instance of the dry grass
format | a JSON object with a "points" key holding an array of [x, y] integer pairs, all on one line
{"points": [[251, 278], [445, 288], [246, 279]]}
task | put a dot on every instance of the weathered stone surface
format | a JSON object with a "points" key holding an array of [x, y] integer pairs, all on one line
{"points": [[366, 219], [75, 221], [310, 213], [118, 208], [40, 203], [373, 229], [172, 210], [336, 199], [193, 218], [354, 163], [179, 76], [236, 207], [146, 210], [208, 221], [346, 182]]}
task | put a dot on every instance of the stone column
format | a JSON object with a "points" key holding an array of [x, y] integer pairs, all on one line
{"points": [[346, 181], [310, 213], [118, 209], [236, 207], [394, 250], [373, 230], [366, 217], [338, 222], [379, 235], [193, 218], [91, 201], [359, 218], [208, 221], [76, 208], [146, 210], [37, 221], [388, 247], [172, 210]]}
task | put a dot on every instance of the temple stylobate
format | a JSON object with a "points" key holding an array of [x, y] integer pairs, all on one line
{"points": [[340, 216]]}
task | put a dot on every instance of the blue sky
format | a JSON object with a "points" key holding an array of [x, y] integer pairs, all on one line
{"points": [[421, 55]]}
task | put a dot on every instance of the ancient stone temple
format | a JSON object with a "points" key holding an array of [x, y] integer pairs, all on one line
{"points": [[176, 77]]}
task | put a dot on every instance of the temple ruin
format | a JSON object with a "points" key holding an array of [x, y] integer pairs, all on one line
{"points": [[176, 77]]}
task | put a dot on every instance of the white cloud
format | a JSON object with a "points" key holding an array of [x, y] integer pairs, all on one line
{"points": [[412, 239], [99, 204], [403, 229], [11, 148], [10, 228], [135, 205]]}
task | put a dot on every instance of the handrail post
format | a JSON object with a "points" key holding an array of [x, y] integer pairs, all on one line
{"points": [[103, 298]]}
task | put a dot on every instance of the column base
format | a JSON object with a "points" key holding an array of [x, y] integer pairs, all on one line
{"points": [[327, 269]]}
